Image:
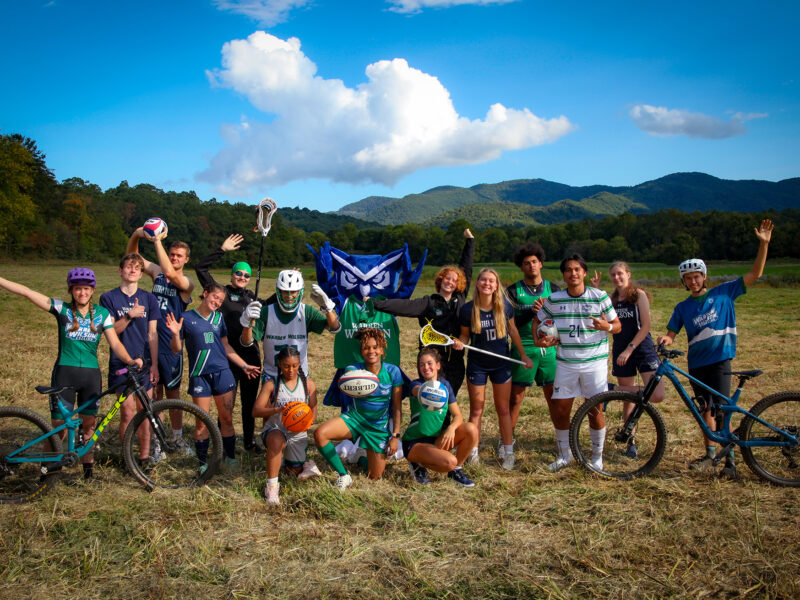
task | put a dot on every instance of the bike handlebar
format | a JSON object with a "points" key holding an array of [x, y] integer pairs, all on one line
{"points": [[662, 350]]}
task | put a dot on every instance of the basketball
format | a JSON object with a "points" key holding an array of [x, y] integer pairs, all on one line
{"points": [[296, 417], [359, 383], [154, 227], [548, 328], [432, 395]]}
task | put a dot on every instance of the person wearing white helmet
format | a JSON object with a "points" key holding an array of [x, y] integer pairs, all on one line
{"points": [[709, 317]]}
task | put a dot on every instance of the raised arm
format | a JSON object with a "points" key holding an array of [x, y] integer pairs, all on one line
{"points": [[232, 242], [764, 235], [467, 256], [38, 299], [150, 268]]}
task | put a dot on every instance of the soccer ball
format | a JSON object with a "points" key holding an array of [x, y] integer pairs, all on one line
{"points": [[548, 328], [359, 383], [154, 227], [432, 395]]}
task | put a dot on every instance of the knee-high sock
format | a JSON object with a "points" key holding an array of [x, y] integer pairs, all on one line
{"points": [[329, 452]]}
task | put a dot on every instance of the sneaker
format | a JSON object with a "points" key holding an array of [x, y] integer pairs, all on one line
{"points": [[230, 463], [473, 458], [156, 455], [508, 461], [310, 470], [632, 451], [271, 493], [203, 468], [182, 449], [704, 463], [343, 482], [728, 472], [501, 450], [596, 463], [461, 478], [419, 473], [148, 464], [559, 464]]}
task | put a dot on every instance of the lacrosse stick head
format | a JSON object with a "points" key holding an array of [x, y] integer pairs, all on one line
{"points": [[428, 336], [266, 209]]}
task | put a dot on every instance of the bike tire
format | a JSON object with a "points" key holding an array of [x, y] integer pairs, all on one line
{"points": [[775, 464], [179, 465], [650, 437], [24, 482]]}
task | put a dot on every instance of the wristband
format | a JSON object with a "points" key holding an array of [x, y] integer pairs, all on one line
{"points": [[631, 345], [128, 317]]}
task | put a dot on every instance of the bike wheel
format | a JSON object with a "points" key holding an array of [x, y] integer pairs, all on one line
{"points": [[777, 464], [24, 481], [177, 465], [618, 459]]}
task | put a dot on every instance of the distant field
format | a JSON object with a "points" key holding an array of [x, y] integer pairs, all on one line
{"points": [[520, 534]]}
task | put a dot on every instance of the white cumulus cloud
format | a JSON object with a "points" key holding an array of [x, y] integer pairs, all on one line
{"points": [[414, 6], [396, 122], [266, 12], [662, 121]]}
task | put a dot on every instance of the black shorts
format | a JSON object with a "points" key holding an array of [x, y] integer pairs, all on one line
{"points": [[643, 359], [85, 383], [409, 444], [716, 376]]}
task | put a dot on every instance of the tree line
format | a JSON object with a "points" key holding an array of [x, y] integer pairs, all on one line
{"points": [[75, 219]]}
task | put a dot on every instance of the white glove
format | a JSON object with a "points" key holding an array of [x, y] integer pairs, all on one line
{"points": [[252, 312], [321, 298]]}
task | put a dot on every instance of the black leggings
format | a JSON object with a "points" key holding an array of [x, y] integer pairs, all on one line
{"points": [[248, 391]]}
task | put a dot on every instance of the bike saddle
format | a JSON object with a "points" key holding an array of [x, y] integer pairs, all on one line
{"points": [[747, 374]]}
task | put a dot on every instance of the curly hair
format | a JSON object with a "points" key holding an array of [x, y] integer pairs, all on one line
{"points": [[529, 249], [444, 272], [371, 333]]}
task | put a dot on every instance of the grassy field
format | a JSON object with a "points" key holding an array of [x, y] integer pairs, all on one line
{"points": [[526, 533]]}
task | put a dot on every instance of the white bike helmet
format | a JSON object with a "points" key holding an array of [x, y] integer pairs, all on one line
{"points": [[692, 265], [289, 281]]}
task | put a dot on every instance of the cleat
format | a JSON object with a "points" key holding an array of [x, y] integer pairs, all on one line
{"points": [[419, 473], [271, 493], [310, 470], [230, 463], [343, 482], [508, 461], [182, 448], [461, 478], [559, 464], [702, 464], [596, 463], [632, 451], [501, 450]]}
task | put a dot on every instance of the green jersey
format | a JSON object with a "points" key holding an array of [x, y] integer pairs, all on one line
{"points": [[354, 316], [425, 422], [79, 348], [523, 296]]}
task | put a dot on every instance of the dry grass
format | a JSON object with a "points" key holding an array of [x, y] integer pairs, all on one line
{"points": [[526, 533]]}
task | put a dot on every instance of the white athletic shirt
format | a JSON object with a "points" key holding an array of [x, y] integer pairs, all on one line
{"points": [[577, 341], [285, 395], [278, 335]]}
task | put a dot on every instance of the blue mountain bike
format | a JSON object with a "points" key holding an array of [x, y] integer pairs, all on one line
{"points": [[31, 450], [636, 435]]}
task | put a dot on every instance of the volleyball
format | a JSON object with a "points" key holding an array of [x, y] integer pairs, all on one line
{"points": [[154, 227]]}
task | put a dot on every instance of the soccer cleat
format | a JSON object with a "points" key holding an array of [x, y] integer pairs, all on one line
{"points": [[508, 461], [597, 462], [419, 473], [559, 464], [271, 493], [310, 470], [461, 478], [473, 458], [632, 451], [343, 482], [704, 463]]}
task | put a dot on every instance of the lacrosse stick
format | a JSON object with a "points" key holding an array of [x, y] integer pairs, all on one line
{"points": [[266, 209], [428, 336]]}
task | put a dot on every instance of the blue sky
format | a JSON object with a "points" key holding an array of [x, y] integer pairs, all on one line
{"points": [[318, 103]]}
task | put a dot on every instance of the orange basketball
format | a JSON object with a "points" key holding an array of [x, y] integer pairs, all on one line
{"points": [[297, 417]]}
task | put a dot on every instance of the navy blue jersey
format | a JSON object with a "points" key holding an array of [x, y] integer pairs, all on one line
{"points": [[169, 301], [204, 342], [134, 338], [487, 338]]}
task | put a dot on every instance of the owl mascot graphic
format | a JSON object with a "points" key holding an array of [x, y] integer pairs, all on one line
{"points": [[352, 281]]}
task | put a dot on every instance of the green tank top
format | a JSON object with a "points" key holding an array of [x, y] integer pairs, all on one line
{"points": [[522, 297], [354, 316]]}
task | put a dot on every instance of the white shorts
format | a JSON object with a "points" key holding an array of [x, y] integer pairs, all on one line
{"points": [[580, 379]]}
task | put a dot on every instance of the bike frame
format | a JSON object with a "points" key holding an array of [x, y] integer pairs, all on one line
{"points": [[728, 406], [72, 422]]}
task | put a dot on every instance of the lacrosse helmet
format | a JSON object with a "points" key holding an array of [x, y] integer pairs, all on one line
{"points": [[289, 281]]}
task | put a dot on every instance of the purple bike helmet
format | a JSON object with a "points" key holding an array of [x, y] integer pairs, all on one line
{"points": [[81, 276]]}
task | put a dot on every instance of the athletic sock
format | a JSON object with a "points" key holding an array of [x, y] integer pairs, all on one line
{"points": [[711, 451], [201, 449], [562, 441], [272, 480], [508, 449], [729, 461], [598, 437], [229, 445], [328, 451]]}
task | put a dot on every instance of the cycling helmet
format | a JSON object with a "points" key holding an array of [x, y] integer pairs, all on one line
{"points": [[81, 276], [692, 265], [289, 281]]}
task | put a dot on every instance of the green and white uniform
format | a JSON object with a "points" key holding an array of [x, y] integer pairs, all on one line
{"points": [[356, 315], [523, 297], [369, 417]]}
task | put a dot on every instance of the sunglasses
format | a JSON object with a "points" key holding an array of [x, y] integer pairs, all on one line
{"points": [[244, 274]]}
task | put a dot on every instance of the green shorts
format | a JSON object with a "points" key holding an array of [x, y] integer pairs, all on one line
{"points": [[543, 371], [372, 437]]}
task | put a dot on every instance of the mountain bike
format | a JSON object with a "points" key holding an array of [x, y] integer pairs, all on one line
{"points": [[32, 451], [636, 435]]}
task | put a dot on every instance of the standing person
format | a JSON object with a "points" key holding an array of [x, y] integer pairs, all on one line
{"points": [[487, 322], [237, 297], [80, 324], [429, 439], [584, 316], [441, 309], [136, 315], [208, 349], [283, 446], [369, 417], [633, 350], [527, 297], [709, 317], [173, 290]]}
